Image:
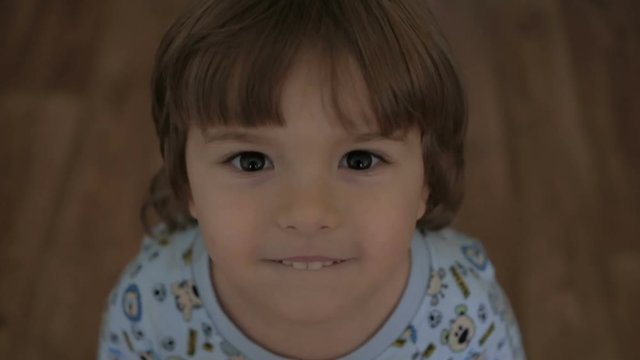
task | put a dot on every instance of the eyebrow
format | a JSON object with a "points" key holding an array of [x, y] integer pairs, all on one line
{"points": [[255, 138]]}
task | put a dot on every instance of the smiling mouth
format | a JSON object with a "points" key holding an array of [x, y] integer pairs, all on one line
{"points": [[313, 265]]}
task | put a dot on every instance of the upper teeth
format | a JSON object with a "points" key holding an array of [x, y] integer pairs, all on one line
{"points": [[314, 265]]}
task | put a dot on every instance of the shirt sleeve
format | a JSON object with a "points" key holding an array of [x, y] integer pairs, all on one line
{"points": [[114, 342], [508, 343], [125, 333], [477, 321]]}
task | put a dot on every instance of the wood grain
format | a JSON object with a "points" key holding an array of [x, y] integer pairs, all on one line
{"points": [[552, 179]]}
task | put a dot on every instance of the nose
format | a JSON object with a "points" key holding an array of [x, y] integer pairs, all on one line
{"points": [[308, 208]]}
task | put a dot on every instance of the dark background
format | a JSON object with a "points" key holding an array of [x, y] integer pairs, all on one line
{"points": [[552, 182]]}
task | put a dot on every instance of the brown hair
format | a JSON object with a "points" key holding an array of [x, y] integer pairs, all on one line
{"points": [[223, 63]]}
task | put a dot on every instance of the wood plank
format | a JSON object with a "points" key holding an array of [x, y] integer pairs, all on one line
{"points": [[552, 177]]}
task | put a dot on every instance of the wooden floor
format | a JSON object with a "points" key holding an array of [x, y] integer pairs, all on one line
{"points": [[553, 185]]}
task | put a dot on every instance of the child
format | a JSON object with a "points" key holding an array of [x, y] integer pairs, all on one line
{"points": [[314, 156]]}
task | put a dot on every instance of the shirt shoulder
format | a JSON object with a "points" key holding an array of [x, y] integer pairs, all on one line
{"points": [[451, 249], [151, 306], [465, 313]]}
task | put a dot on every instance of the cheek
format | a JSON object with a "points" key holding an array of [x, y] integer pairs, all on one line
{"points": [[229, 245], [386, 232], [229, 223], [394, 206], [385, 226], [221, 204]]}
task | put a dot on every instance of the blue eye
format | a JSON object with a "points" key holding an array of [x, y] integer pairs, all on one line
{"points": [[253, 161]]}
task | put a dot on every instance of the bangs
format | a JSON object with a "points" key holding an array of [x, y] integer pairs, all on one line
{"points": [[224, 63], [227, 66]]}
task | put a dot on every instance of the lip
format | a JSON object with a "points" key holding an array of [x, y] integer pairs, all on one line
{"points": [[308, 259], [336, 265]]}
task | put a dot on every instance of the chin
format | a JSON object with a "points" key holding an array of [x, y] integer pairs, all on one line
{"points": [[311, 308]]}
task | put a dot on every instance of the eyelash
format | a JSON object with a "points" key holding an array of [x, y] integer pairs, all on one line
{"points": [[383, 160]]}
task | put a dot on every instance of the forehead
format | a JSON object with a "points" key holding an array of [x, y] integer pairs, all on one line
{"points": [[327, 99], [324, 98], [329, 90]]}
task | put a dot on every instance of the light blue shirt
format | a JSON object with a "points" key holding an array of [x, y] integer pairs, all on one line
{"points": [[164, 307]]}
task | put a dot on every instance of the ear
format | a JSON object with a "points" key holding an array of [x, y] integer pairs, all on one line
{"points": [[422, 206]]}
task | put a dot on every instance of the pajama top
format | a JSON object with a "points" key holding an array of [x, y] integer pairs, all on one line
{"points": [[163, 307]]}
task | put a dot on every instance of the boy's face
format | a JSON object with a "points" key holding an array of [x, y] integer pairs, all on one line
{"points": [[307, 196]]}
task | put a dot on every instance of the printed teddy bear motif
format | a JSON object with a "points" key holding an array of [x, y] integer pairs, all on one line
{"points": [[460, 332], [187, 298], [207, 330], [137, 332], [475, 255], [132, 303], [159, 292], [168, 343], [437, 286], [435, 318]]}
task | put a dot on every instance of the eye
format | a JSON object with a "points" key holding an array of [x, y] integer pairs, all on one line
{"points": [[359, 159], [247, 161], [253, 161]]}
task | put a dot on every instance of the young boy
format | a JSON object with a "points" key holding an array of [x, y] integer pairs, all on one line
{"points": [[314, 154]]}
